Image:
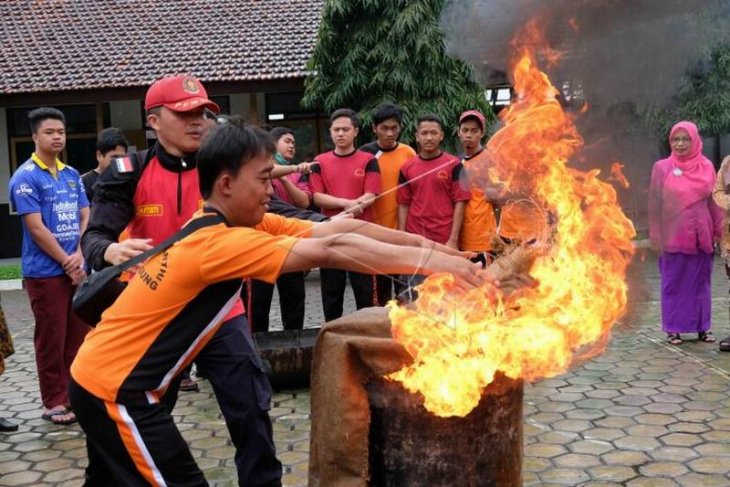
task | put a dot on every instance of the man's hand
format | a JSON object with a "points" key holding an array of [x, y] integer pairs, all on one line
{"points": [[73, 262], [120, 252], [304, 167], [352, 206], [77, 276]]}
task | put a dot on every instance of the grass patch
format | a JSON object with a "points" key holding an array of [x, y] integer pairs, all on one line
{"points": [[11, 271]]}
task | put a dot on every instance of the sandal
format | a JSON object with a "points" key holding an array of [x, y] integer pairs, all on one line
{"points": [[725, 344], [706, 336], [55, 417], [674, 339]]}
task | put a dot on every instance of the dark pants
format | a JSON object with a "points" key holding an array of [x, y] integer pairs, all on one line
{"points": [[244, 395], [57, 335], [291, 300], [137, 443], [388, 286], [333, 283]]}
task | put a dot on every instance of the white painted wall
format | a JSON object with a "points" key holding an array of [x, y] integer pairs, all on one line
{"points": [[4, 157]]}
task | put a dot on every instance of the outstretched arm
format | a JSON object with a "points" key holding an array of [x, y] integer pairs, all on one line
{"points": [[363, 254], [381, 234]]}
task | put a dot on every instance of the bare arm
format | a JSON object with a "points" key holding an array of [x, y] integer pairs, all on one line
{"points": [[299, 197], [453, 241], [362, 254], [366, 200], [329, 202], [381, 234], [402, 217]]}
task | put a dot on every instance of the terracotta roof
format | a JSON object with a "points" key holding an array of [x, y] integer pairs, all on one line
{"points": [[55, 45]]}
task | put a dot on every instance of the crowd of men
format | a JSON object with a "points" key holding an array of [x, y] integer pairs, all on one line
{"points": [[381, 217]]}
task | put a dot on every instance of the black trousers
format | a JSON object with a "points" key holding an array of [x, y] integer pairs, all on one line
{"points": [[388, 286], [333, 283], [230, 363], [291, 301]]}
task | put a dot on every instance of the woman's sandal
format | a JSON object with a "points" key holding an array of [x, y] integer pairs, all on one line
{"points": [[674, 339], [725, 344], [706, 336]]}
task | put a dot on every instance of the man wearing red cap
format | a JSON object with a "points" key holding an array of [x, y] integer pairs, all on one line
{"points": [[151, 196]]}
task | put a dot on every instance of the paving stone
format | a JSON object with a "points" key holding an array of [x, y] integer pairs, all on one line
{"points": [[707, 464], [641, 443], [647, 430], [557, 437], [544, 450], [717, 449], [626, 458], [534, 464], [695, 480], [688, 428], [564, 476], [695, 416], [663, 469], [656, 419], [572, 425], [613, 473], [673, 454], [575, 460], [607, 434], [26, 477], [588, 414], [681, 439]]}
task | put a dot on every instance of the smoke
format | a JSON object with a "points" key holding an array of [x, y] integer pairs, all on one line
{"points": [[623, 57], [615, 51]]}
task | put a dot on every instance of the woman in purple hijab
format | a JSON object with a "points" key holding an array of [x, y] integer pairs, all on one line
{"points": [[684, 225]]}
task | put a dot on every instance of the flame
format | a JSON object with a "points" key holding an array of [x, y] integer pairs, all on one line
{"points": [[459, 340], [617, 174]]}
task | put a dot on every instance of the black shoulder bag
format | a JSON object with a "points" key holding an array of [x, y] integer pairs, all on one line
{"points": [[102, 288]]}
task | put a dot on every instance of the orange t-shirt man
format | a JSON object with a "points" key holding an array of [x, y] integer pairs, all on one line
{"points": [[174, 305], [385, 208]]}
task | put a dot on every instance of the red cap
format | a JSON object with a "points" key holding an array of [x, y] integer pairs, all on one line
{"points": [[179, 94], [473, 114]]}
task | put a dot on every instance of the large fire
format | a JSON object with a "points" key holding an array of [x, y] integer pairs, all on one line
{"points": [[460, 340]]}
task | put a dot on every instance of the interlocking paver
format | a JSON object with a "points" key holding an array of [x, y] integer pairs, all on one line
{"points": [[663, 469], [613, 473]]}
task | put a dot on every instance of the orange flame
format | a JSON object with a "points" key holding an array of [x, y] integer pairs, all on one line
{"points": [[460, 340], [617, 175]]}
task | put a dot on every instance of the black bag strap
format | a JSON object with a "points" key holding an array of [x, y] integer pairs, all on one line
{"points": [[194, 225]]}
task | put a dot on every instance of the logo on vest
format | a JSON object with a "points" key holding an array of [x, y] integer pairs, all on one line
{"points": [[359, 173], [442, 175], [149, 210]]}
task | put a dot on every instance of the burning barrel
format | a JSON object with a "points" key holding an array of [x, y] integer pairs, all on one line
{"points": [[367, 430]]}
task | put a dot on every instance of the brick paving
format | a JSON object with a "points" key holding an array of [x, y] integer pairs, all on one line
{"points": [[642, 414]]}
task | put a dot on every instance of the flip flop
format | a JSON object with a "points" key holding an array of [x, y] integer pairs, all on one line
{"points": [[725, 344], [52, 415], [674, 339], [706, 336]]}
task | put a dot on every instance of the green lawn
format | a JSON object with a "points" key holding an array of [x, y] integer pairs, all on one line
{"points": [[10, 272]]}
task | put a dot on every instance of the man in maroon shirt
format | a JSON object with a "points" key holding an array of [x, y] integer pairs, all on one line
{"points": [[432, 189], [345, 180]]}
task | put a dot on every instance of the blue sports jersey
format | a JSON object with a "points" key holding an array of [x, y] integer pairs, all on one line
{"points": [[59, 200]]}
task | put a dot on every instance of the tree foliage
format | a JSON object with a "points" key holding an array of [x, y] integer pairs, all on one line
{"points": [[374, 51], [706, 101]]}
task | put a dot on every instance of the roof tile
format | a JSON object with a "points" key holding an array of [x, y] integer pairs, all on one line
{"points": [[55, 45]]}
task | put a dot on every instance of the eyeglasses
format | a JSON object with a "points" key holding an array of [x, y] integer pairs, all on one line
{"points": [[677, 140]]}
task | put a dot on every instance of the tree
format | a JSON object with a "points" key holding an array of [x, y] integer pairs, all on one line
{"points": [[706, 101], [373, 51]]}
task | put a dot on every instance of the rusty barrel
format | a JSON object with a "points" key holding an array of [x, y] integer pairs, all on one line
{"points": [[408, 446], [287, 356]]}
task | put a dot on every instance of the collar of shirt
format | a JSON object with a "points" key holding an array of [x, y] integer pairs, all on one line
{"points": [[60, 166]]}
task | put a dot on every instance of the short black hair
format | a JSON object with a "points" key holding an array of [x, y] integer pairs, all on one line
{"points": [[386, 111], [279, 132], [228, 147], [37, 116], [346, 112], [109, 138], [429, 117]]}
